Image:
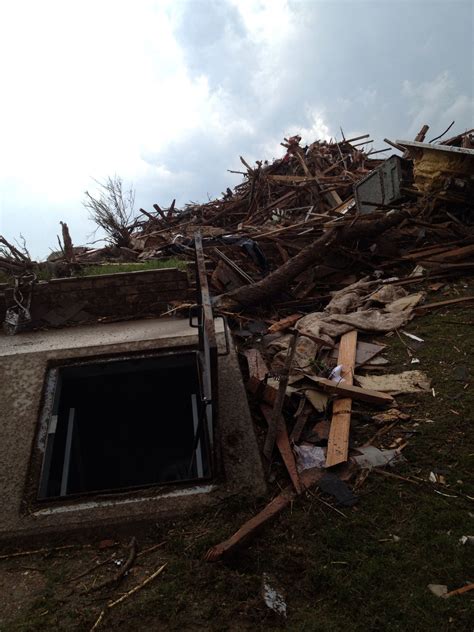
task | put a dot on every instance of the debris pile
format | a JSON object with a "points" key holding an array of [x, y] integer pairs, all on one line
{"points": [[309, 258]]}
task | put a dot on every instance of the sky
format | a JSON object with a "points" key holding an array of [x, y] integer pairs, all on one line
{"points": [[168, 94]]}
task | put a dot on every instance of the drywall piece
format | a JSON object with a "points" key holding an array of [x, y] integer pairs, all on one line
{"points": [[366, 352], [406, 382], [317, 399], [370, 457]]}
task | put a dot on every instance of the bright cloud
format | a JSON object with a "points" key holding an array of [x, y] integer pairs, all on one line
{"points": [[169, 93]]}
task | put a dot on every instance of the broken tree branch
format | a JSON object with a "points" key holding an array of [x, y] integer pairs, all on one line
{"points": [[277, 281], [128, 594]]}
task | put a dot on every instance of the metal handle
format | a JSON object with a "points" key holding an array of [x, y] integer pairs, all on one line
{"points": [[195, 311]]}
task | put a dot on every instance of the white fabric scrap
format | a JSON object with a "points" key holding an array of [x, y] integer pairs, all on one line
{"points": [[308, 456]]}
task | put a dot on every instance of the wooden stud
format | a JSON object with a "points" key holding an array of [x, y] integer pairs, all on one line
{"points": [[338, 444]]}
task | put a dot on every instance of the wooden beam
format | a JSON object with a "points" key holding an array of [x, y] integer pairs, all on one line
{"points": [[338, 443], [354, 392]]}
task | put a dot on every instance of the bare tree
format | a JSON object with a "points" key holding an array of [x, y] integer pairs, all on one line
{"points": [[15, 259], [113, 210]]}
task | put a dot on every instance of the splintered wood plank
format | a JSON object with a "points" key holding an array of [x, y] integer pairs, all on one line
{"points": [[309, 478], [279, 400], [300, 423], [264, 391], [284, 447], [257, 366], [338, 443], [284, 323]]}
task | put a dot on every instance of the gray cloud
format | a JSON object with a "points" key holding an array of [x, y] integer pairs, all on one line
{"points": [[379, 67]]}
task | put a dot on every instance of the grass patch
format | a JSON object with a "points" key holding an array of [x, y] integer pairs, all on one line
{"points": [[113, 268]]}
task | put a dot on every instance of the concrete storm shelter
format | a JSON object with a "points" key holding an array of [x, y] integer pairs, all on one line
{"points": [[107, 423]]}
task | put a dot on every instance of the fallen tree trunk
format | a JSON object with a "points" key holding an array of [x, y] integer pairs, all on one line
{"points": [[277, 281]]}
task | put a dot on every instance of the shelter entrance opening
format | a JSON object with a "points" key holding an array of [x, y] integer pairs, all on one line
{"points": [[121, 424]]}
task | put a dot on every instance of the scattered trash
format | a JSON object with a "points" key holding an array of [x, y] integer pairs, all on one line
{"points": [[309, 456], [272, 596], [461, 373], [336, 374], [392, 538], [412, 336], [332, 484], [466, 539], [390, 416], [439, 479], [373, 457], [440, 590]]}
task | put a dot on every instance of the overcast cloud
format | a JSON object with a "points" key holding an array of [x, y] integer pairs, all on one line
{"points": [[168, 94]]}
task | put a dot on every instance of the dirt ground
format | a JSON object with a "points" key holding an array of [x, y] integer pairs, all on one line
{"points": [[364, 568]]}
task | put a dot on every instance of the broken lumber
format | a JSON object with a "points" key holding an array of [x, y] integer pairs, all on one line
{"points": [[449, 301], [257, 366], [284, 323], [300, 423], [338, 444], [308, 478], [354, 392], [284, 447], [459, 591], [265, 391], [276, 417]]}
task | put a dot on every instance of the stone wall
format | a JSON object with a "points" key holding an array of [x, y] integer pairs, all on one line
{"points": [[69, 301]]}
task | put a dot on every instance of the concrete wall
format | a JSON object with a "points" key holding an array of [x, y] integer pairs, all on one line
{"points": [[24, 361]]}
